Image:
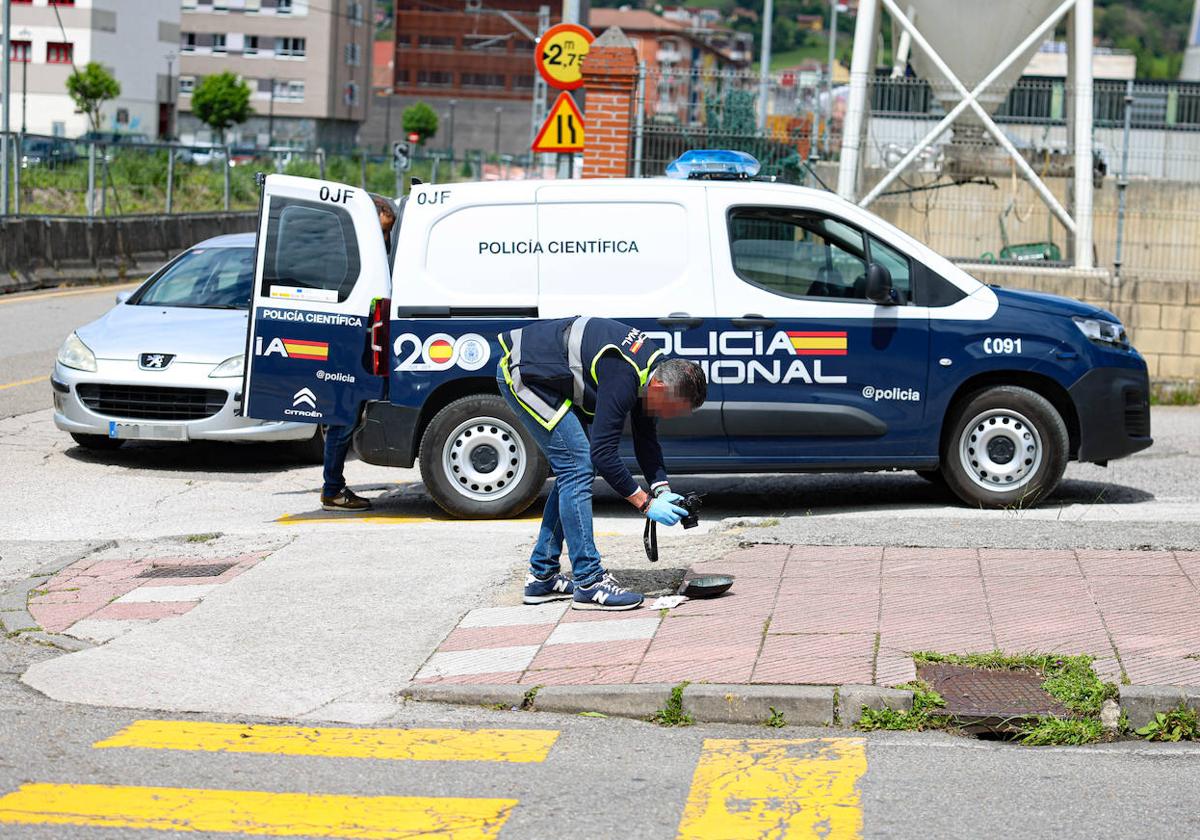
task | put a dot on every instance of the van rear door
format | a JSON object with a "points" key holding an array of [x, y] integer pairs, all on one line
{"points": [[320, 266]]}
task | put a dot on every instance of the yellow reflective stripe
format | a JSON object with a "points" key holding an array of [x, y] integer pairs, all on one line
{"points": [[256, 812], [519, 746], [548, 425], [643, 374]]}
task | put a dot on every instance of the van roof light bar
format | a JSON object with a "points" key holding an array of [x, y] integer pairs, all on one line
{"points": [[714, 164]]}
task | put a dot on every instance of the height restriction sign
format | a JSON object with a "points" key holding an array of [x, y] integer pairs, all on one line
{"points": [[559, 55], [563, 129]]}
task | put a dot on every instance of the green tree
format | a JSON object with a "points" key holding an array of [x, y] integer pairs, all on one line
{"points": [[90, 88], [422, 120], [221, 101]]}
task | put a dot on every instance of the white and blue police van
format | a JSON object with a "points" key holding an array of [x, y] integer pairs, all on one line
{"points": [[832, 340]]}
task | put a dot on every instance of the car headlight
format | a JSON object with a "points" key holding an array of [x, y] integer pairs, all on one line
{"points": [[233, 366], [1103, 332], [75, 354]]}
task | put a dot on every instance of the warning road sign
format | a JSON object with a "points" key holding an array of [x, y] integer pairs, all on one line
{"points": [[559, 55], [563, 129]]}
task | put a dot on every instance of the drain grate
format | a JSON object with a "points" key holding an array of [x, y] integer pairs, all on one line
{"points": [[976, 694], [193, 571]]}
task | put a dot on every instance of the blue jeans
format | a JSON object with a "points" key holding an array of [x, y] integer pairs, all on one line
{"points": [[568, 511], [337, 445]]}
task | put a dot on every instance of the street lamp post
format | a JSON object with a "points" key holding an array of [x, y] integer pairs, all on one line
{"points": [[453, 102], [170, 132], [499, 111], [26, 37], [833, 15], [6, 47], [271, 117]]}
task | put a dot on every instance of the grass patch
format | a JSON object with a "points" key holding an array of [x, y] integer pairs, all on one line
{"points": [[776, 720], [1179, 724], [1174, 393], [1053, 732], [925, 712], [673, 714], [530, 698], [200, 538]]}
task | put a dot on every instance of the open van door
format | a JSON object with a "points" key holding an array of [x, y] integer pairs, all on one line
{"points": [[318, 305]]}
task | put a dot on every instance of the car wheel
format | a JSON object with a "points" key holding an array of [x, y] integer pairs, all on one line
{"points": [[311, 450], [1005, 446], [479, 462], [98, 443]]}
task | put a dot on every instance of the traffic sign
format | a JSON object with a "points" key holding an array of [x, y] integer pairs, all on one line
{"points": [[400, 156], [559, 55], [563, 129]]}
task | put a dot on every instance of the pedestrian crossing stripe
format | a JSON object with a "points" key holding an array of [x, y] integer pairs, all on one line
{"points": [[759, 788], [255, 812], [518, 746]]}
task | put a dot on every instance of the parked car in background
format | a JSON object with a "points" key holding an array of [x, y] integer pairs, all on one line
{"points": [[47, 151], [114, 138], [166, 362]]}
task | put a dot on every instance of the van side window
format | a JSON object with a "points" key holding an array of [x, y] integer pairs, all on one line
{"points": [[897, 265], [798, 253], [310, 246]]}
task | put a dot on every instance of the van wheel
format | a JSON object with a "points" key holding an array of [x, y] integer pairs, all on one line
{"points": [[1005, 447], [478, 462]]}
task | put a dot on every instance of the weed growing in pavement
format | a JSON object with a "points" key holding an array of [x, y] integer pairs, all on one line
{"points": [[201, 538], [776, 720], [497, 707], [1173, 394], [923, 715], [530, 697], [1049, 731], [593, 714], [1179, 724], [673, 714]]}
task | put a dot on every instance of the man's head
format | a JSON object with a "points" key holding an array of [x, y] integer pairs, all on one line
{"points": [[387, 216], [676, 387]]}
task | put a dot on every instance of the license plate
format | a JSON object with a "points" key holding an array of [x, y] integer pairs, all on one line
{"points": [[147, 431]]}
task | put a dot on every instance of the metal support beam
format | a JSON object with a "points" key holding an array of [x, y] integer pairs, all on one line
{"points": [[1081, 116], [856, 105], [764, 64], [1034, 37]]}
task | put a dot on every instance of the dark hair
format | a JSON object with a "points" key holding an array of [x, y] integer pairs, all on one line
{"points": [[685, 379]]}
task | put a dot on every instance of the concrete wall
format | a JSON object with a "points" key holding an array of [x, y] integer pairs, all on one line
{"points": [[39, 253], [474, 124]]}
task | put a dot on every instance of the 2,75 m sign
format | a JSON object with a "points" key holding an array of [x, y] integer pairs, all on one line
{"points": [[559, 55]]}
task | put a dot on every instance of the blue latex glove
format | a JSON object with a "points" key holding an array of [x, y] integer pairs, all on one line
{"points": [[665, 512], [673, 498]]}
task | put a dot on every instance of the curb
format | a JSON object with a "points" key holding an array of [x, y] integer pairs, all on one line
{"points": [[799, 705], [1141, 703]]}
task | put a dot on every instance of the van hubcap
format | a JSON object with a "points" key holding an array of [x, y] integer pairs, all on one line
{"points": [[484, 458], [1000, 450]]}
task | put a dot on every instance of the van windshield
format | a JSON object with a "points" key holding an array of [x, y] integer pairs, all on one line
{"points": [[204, 278]]}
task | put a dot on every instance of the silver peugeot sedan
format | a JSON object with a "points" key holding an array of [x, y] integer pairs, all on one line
{"points": [[166, 362]]}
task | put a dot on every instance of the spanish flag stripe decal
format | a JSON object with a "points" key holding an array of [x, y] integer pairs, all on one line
{"points": [[818, 343], [296, 349]]}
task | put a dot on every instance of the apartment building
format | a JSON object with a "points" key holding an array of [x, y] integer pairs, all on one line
{"points": [[308, 65], [136, 40]]}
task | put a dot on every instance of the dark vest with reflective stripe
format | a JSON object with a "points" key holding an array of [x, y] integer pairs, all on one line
{"points": [[551, 365]]}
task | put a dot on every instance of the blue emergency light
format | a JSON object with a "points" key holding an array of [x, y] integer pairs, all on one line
{"points": [[713, 163]]}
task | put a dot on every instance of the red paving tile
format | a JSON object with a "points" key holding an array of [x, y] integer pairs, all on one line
{"points": [[826, 615], [939, 640], [1161, 596], [164, 609], [471, 638], [571, 616], [1096, 644], [929, 555], [1161, 670], [756, 569], [1181, 646], [835, 552], [996, 562], [891, 670], [1128, 563], [952, 567], [102, 593], [822, 671], [54, 618], [499, 678], [860, 569], [601, 675], [819, 646], [704, 670], [1138, 624], [582, 654]]}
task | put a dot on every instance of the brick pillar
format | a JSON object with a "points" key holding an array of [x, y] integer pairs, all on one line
{"points": [[610, 79]]}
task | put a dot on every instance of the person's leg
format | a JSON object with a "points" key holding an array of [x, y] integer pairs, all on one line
{"points": [[570, 457], [334, 493]]}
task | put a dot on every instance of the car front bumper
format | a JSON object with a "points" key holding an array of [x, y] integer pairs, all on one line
{"points": [[1113, 406], [71, 414]]}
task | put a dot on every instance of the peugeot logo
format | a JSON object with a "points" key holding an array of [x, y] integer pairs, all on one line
{"points": [[155, 361], [304, 397]]}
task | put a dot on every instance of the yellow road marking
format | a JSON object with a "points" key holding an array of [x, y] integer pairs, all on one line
{"points": [[36, 296], [256, 812], [511, 745], [21, 382], [760, 788]]}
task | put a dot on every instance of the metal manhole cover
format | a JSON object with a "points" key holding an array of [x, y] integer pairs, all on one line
{"points": [[193, 571], [979, 694]]}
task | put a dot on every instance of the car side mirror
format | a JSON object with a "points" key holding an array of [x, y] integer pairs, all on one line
{"points": [[879, 285], [124, 295]]}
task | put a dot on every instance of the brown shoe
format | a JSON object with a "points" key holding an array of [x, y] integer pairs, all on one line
{"points": [[345, 500]]}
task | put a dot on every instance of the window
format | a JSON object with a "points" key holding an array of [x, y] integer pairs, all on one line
{"points": [[801, 254], [437, 42], [218, 45], [354, 13], [62, 3], [286, 91], [522, 82], [293, 47], [20, 51], [283, 7], [310, 245], [353, 54], [492, 80], [434, 78], [350, 94], [58, 52], [187, 84], [896, 263], [187, 41], [251, 45], [204, 278]]}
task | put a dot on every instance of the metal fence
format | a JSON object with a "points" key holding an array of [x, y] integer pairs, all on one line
{"points": [[54, 176]]}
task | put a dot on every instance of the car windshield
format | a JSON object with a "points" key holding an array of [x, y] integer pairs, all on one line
{"points": [[208, 278]]}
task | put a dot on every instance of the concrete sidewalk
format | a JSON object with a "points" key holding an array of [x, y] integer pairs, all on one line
{"points": [[852, 615]]}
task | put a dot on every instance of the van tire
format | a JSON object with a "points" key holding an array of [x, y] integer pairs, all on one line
{"points": [[1003, 447], [483, 488]]}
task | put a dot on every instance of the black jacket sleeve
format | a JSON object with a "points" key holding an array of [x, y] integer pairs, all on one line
{"points": [[616, 399]]}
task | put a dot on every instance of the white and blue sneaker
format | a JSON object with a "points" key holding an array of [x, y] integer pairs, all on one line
{"points": [[554, 588], [605, 594]]}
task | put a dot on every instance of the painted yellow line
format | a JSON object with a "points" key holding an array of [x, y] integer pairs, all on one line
{"points": [[256, 812], [21, 382], [760, 788], [36, 296], [511, 745]]}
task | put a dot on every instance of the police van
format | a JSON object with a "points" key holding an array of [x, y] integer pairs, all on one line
{"points": [[831, 339]]}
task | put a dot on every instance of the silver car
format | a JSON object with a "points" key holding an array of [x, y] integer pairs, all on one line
{"points": [[166, 362]]}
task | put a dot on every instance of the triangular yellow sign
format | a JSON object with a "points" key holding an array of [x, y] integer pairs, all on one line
{"points": [[563, 129]]}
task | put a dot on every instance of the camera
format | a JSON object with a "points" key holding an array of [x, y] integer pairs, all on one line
{"points": [[692, 502]]}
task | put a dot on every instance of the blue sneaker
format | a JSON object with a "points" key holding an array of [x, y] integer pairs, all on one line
{"points": [[553, 588], [605, 594]]}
